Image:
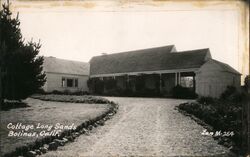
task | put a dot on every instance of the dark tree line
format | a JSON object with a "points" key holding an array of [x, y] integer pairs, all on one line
{"points": [[20, 66]]}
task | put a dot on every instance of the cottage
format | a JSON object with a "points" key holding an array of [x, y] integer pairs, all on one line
{"points": [[213, 77], [65, 75], [158, 70]]}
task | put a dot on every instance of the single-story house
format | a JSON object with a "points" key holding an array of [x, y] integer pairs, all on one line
{"points": [[65, 75], [160, 69]]}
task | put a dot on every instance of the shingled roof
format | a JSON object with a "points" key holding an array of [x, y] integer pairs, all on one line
{"points": [[159, 58], [223, 66], [56, 65]]}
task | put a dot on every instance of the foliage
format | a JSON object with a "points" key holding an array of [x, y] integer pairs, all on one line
{"points": [[183, 92], [247, 82], [66, 92], [206, 100], [232, 95], [73, 99], [110, 84], [223, 114], [96, 85], [228, 92], [12, 105], [20, 65]]}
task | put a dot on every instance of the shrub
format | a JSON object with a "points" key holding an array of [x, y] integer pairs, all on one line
{"points": [[56, 92], [237, 97], [110, 84], [228, 92], [40, 91], [12, 105], [206, 100], [183, 92], [233, 96], [223, 114], [247, 82]]}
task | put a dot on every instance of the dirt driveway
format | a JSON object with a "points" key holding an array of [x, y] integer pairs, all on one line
{"points": [[144, 127]]}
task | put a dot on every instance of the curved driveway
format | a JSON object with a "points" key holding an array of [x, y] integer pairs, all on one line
{"points": [[145, 127]]}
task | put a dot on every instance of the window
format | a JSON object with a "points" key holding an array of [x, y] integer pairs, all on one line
{"points": [[187, 81], [63, 82], [76, 82], [69, 82]]}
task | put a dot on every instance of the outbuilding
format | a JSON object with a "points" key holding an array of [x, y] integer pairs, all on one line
{"points": [[65, 75], [213, 77]]}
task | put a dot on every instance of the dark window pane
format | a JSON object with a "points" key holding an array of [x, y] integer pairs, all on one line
{"points": [[69, 82], [76, 82]]}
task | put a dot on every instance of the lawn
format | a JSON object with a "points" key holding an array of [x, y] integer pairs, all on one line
{"points": [[47, 113]]}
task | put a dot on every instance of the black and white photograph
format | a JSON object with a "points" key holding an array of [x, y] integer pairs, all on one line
{"points": [[124, 78]]}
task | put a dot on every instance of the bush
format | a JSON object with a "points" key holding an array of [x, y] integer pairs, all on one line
{"points": [[40, 91], [183, 93], [247, 82], [237, 97], [56, 92], [206, 100], [67, 92], [223, 114], [228, 92], [231, 95], [12, 105]]}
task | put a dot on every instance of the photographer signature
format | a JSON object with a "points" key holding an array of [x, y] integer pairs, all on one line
{"points": [[205, 132]]}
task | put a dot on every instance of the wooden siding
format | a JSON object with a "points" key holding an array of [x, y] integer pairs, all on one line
{"points": [[54, 82]]}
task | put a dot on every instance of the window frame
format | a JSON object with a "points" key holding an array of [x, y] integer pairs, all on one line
{"points": [[64, 82]]}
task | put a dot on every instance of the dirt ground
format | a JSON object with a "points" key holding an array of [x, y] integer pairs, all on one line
{"points": [[144, 127], [45, 113]]}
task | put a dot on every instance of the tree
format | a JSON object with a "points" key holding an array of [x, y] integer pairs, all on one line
{"points": [[247, 83], [20, 66]]}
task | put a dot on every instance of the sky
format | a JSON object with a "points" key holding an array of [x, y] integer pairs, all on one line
{"points": [[79, 30]]}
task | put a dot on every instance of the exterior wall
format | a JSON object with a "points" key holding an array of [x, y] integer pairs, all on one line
{"points": [[54, 82], [211, 81]]}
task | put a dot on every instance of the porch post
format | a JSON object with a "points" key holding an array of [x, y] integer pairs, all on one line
{"points": [[127, 82], [1, 88], [179, 78], [160, 84], [176, 79], [194, 83]]}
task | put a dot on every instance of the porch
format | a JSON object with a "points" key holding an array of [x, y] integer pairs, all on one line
{"points": [[149, 84]]}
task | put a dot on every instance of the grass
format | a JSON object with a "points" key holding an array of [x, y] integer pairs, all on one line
{"points": [[64, 112]]}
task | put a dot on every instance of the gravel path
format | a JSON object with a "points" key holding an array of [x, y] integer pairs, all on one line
{"points": [[144, 127]]}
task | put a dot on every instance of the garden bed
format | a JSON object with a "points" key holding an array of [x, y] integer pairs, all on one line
{"points": [[8, 105], [87, 113], [222, 119]]}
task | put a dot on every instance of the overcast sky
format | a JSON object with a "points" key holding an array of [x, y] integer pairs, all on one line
{"points": [[80, 30]]}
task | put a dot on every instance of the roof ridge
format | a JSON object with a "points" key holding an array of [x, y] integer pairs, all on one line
{"points": [[190, 51], [52, 57], [123, 52]]}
